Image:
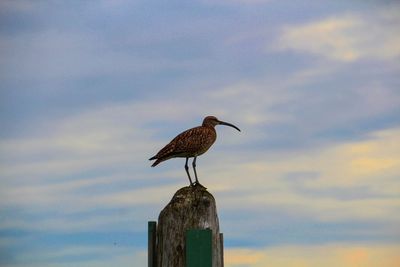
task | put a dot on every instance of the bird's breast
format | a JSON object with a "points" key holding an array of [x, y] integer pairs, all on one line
{"points": [[208, 138]]}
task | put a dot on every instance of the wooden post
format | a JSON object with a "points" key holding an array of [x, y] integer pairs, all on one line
{"points": [[192, 207], [199, 248], [151, 243]]}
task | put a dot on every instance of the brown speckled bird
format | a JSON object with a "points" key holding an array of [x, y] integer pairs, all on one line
{"points": [[191, 143]]}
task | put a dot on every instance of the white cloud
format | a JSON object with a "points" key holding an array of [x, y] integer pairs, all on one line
{"points": [[96, 161], [53, 56], [352, 181], [118, 138], [347, 38]]}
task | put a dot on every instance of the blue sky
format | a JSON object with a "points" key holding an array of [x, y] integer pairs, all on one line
{"points": [[91, 89]]}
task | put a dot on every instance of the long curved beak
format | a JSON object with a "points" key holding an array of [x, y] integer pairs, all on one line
{"points": [[228, 124]]}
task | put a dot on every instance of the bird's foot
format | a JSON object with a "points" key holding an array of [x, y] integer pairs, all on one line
{"points": [[199, 185]]}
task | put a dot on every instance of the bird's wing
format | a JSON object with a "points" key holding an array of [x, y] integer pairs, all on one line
{"points": [[165, 151], [187, 142], [190, 140]]}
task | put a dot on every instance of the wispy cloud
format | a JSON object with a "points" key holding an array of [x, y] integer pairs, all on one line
{"points": [[91, 91], [347, 38], [361, 165]]}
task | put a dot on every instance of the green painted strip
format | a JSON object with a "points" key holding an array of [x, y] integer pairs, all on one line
{"points": [[199, 248]]}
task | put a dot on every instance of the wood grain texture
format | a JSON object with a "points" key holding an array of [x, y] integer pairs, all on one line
{"points": [[190, 208]]}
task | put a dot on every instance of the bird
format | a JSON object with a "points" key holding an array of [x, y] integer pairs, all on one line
{"points": [[191, 144]]}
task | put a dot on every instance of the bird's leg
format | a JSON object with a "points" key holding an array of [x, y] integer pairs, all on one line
{"points": [[194, 169], [195, 173], [187, 171]]}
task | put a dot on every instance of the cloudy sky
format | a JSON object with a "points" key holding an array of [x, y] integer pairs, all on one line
{"points": [[91, 89]]}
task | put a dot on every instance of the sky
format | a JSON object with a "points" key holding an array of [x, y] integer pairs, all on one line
{"points": [[91, 89]]}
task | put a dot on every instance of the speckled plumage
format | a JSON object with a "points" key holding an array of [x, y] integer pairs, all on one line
{"points": [[191, 143]]}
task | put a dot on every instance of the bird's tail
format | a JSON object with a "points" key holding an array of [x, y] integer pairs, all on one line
{"points": [[155, 163]]}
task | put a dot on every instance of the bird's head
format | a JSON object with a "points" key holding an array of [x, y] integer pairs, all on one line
{"points": [[213, 121]]}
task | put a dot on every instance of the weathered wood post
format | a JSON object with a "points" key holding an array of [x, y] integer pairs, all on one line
{"points": [[190, 208]]}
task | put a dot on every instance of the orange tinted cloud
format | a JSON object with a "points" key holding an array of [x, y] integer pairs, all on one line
{"points": [[333, 255]]}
